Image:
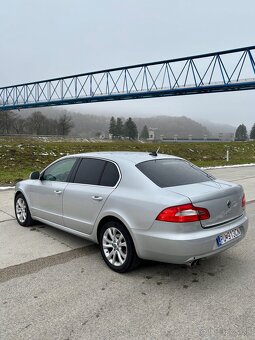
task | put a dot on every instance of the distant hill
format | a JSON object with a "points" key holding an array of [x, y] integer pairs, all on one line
{"points": [[169, 126], [216, 128], [87, 125]]}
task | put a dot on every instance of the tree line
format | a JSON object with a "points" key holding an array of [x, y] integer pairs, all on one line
{"points": [[39, 124], [242, 134], [35, 124], [128, 129]]}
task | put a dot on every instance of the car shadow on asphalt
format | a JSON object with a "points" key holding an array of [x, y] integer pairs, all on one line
{"points": [[219, 268]]}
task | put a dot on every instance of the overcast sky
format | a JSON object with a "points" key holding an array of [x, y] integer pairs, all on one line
{"points": [[50, 38]]}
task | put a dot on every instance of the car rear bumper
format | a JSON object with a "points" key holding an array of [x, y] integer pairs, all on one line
{"points": [[164, 242]]}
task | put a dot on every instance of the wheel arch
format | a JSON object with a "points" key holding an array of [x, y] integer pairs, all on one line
{"points": [[19, 191], [106, 219], [109, 218]]}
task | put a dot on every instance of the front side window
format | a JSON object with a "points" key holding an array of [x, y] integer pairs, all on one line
{"points": [[59, 171], [172, 172]]}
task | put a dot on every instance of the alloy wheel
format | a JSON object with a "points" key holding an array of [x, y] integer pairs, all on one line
{"points": [[114, 246], [21, 210]]}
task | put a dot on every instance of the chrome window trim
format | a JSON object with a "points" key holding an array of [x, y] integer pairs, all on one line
{"points": [[98, 185]]}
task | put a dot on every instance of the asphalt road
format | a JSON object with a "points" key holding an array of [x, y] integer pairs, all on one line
{"points": [[65, 291]]}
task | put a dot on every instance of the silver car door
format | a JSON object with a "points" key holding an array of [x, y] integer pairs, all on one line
{"points": [[46, 194], [84, 199]]}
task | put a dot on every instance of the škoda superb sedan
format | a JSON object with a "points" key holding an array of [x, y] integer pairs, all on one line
{"points": [[136, 206]]}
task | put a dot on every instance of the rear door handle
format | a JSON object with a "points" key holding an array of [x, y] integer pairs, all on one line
{"points": [[97, 198], [58, 192]]}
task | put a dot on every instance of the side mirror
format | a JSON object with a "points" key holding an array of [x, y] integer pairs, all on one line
{"points": [[34, 175]]}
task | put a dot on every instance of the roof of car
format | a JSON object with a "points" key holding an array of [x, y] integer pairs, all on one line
{"points": [[134, 157]]}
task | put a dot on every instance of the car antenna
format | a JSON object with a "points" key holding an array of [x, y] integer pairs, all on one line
{"points": [[154, 153]]}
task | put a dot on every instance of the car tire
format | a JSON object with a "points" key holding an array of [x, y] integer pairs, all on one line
{"points": [[22, 212], [117, 247]]}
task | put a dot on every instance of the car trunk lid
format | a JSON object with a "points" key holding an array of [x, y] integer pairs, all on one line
{"points": [[223, 200]]}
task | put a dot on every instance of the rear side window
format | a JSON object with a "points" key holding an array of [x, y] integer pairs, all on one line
{"points": [[97, 172], [172, 172], [110, 175], [89, 171]]}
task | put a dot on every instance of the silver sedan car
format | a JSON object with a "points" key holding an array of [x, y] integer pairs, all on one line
{"points": [[136, 206]]}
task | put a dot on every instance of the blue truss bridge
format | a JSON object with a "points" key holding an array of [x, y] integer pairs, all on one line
{"points": [[231, 70]]}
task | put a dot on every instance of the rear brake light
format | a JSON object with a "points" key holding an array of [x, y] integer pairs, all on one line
{"points": [[243, 201], [183, 213]]}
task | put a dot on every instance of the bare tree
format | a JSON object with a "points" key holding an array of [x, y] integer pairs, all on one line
{"points": [[65, 124], [52, 127], [6, 121], [37, 123], [19, 125]]}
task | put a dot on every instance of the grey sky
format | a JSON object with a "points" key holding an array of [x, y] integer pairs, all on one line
{"points": [[49, 38]]}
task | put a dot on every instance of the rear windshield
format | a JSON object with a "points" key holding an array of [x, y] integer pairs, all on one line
{"points": [[172, 172]]}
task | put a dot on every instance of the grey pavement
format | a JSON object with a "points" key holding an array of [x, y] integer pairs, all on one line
{"points": [[19, 245], [56, 286], [240, 175]]}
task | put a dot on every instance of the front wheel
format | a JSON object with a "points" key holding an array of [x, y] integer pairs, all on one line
{"points": [[117, 247], [22, 212]]}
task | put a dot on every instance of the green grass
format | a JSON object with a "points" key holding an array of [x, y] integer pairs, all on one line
{"points": [[20, 156]]}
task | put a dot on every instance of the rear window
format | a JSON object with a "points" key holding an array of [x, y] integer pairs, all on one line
{"points": [[172, 172]]}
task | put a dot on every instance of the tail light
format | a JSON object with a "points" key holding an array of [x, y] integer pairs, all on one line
{"points": [[183, 213], [243, 201]]}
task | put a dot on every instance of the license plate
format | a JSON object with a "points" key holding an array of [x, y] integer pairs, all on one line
{"points": [[228, 236]]}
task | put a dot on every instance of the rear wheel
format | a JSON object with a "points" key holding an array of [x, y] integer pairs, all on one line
{"points": [[117, 247], [22, 212]]}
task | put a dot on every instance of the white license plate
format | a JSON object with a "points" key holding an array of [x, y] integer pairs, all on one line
{"points": [[228, 236]]}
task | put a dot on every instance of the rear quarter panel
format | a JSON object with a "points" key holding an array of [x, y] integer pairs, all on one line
{"points": [[137, 201]]}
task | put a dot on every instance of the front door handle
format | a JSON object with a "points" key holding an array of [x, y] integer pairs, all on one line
{"points": [[97, 198], [58, 192]]}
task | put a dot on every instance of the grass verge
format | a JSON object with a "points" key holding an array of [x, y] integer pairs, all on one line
{"points": [[19, 156]]}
